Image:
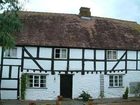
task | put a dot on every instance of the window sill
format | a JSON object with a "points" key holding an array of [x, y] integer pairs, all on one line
{"points": [[116, 87], [36, 88]]}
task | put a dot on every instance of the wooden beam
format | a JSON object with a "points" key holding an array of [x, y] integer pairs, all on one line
{"points": [[32, 58], [126, 62], [68, 57], [1, 68], [83, 64], [118, 61], [105, 63], [52, 62]]}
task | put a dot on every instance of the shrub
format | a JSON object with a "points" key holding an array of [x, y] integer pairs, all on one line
{"points": [[125, 95], [85, 96]]}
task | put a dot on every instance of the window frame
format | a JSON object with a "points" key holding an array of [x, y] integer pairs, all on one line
{"points": [[60, 53], [34, 85], [10, 53], [112, 56], [117, 81]]}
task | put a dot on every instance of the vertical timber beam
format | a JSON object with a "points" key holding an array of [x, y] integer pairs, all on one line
{"points": [[18, 83], [1, 69], [94, 59], [83, 64], [22, 60], [52, 63], [126, 62], [105, 63], [68, 59], [136, 60], [37, 53]]}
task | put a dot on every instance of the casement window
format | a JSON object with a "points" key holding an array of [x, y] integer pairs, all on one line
{"points": [[60, 53], [37, 81], [11, 53], [115, 81], [111, 54]]}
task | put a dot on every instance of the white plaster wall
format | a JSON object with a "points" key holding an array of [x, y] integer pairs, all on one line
{"points": [[120, 53], [138, 64], [60, 65], [5, 72], [8, 94], [110, 65], [9, 83], [88, 82], [89, 54], [99, 66], [76, 53], [45, 52], [49, 93], [12, 61], [30, 64], [131, 64], [75, 65], [19, 52], [131, 54], [89, 65], [121, 65], [100, 54], [31, 50]]}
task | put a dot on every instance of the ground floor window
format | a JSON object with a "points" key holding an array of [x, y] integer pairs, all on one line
{"points": [[115, 80], [37, 81]]}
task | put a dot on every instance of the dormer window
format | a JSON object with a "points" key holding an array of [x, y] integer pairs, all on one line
{"points": [[60, 53], [11, 53], [111, 54]]}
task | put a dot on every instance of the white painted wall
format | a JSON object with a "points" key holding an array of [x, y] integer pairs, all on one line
{"points": [[49, 93], [88, 83], [76, 53]]}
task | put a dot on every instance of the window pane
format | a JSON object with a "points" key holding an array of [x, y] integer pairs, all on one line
{"points": [[57, 53], [42, 85]]}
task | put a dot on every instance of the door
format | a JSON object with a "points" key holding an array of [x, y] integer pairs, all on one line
{"points": [[66, 86]]}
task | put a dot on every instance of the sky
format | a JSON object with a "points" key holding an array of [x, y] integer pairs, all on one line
{"points": [[118, 9]]}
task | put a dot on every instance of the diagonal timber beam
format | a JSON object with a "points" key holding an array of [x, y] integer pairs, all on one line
{"points": [[32, 58]]}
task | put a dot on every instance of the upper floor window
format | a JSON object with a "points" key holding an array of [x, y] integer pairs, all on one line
{"points": [[111, 54], [37, 81], [115, 80], [11, 52], [60, 53]]}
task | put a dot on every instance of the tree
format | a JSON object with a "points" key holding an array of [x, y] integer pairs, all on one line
{"points": [[9, 22]]}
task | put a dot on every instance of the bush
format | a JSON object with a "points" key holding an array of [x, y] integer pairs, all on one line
{"points": [[85, 96], [125, 95]]}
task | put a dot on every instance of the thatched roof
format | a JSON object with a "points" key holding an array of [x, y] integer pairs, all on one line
{"points": [[69, 30]]}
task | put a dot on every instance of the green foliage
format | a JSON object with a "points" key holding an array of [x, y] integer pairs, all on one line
{"points": [[85, 96], [136, 90], [9, 22], [23, 85], [125, 95]]}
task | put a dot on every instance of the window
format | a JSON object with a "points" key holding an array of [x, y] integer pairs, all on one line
{"points": [[115, 80], [111, 54], [37, 81], [60, 53], [11, 52]]}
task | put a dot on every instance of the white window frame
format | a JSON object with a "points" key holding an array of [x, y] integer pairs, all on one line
{"points": [[117, 80], [12, 53], [39, 81], [60, 53], [112, 54]]}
